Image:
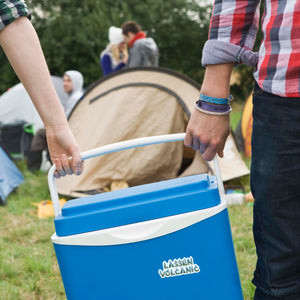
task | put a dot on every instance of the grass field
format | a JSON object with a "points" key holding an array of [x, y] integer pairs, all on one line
{"points": [[28, 266]]}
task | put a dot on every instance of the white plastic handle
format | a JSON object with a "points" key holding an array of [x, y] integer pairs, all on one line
{"points": [[134, 143]]}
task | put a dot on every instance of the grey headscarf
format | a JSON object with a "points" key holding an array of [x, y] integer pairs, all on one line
{"points": [[77, 80]]}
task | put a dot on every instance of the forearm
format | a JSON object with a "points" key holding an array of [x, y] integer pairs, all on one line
{"points": [[216, 81], [22, 48]]}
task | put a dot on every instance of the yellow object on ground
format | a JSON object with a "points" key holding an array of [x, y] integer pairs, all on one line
{"points": [[118, 185], [45, 208]]}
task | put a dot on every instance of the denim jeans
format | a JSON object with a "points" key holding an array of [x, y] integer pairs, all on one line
{"points": [[275, 184]]}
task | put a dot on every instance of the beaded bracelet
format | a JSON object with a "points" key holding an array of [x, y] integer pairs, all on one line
{"points": [[214, 100], [211, 109]]}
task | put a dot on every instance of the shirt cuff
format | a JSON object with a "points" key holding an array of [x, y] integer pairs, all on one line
{"points": [[11, 11], [219, 52]]}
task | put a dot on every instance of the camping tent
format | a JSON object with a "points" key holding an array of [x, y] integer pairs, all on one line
{"points": [[246, 125], [243, 131], [10, 176], [135, 103], [18, 112]]}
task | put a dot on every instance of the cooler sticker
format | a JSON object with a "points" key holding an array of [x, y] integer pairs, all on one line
{"points": [[178, 267]]}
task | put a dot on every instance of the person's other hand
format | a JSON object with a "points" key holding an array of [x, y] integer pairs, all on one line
{"points": [[62, 146], [207, 133], [126, 57]]}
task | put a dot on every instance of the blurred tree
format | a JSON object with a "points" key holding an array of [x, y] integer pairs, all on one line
{"points": [[74, 32]]}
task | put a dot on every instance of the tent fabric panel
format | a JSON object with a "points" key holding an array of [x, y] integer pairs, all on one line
{"points": [[246, 124], [170, 80], [17, 107], [156, 70], [124, 114], [232, 165], [145, 84], [10, 176]]}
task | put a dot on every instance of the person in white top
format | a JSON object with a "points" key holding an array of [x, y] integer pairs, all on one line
{"points": [[73, 86]]}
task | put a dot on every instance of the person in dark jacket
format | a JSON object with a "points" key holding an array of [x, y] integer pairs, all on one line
{"points": [[143, 51]]}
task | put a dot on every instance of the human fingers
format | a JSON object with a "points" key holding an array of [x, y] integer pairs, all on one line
{"points": [[188, 140], [78, 167], [210, 152], [59, 168], [202, 148], [221, 150], [66, 164], [196, 143], [77, 163]]}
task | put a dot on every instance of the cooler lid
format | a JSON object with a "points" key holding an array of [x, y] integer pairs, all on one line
{"points": [[137, 204]]}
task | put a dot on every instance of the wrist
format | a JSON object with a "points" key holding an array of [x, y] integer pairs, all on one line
{"points": [[216, 82], [213, 105], [215, 100], [213, 109], [56, 121]]}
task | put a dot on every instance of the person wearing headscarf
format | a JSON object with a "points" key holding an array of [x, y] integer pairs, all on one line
{"points": [[73, 86], [115, 56]]}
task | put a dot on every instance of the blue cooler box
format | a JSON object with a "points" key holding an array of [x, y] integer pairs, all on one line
{"points": [[164, 240]]}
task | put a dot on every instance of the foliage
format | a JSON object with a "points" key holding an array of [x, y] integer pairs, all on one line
{"points": [[73, 33]]}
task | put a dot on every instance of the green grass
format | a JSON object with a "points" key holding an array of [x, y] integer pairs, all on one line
{"points": [[241, 227], [28, 266]]}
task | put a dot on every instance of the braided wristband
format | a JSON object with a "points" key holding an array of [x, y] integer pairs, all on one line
{"points": [[213, 100], [211, 109]]}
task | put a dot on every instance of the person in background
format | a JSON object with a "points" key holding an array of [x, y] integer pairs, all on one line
{"points": [[29, 64], [275, 161], [115, 56], [73, 86], [143, 51]]}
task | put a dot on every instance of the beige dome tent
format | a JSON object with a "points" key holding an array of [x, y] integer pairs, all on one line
{"points": [[135, 103]]}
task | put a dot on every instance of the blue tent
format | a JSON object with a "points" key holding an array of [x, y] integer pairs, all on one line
{"points": [[10, 176]]}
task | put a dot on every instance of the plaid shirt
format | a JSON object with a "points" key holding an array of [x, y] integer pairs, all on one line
{"points": [[233, 29], [11, 10]]}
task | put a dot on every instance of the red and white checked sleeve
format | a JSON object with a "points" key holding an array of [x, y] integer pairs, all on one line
{"points": [[232, 32]]}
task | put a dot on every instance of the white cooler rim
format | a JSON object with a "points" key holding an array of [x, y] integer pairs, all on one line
{"points": [[140, 231]]}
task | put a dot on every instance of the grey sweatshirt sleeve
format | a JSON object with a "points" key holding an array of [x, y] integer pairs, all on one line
{"points": [[218, 52]]}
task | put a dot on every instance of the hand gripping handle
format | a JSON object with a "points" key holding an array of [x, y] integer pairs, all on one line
{"points": [[134, 143]]}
